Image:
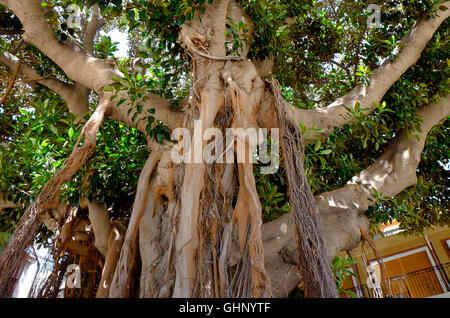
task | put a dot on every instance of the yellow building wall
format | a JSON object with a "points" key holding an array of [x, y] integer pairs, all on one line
{"points": [[398, 243]]}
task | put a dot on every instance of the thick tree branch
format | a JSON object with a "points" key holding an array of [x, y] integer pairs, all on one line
{"points": [[343, 210], [10, 85], [391, 173], [115, 242], [406, 54], [74, 95], [6, 204], [81, 67], [93, 26]]}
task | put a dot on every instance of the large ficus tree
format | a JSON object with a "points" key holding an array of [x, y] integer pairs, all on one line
{"points": [[358, 91]]}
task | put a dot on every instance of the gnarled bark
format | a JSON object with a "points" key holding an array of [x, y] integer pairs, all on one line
{"points": [[93, 26]]}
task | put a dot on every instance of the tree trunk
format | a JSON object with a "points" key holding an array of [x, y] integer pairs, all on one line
{"points": [[200, 223]]}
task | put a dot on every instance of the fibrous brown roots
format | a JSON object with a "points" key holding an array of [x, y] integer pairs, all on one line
{"points": [[72, 256], [246, 90], [213, 216], [192, 240], [48, 199], [385, 281], [314, 262]]}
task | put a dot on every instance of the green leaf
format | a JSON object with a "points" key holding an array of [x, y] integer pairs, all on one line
{"points": [[70, 132], [53, 129], [317, 145], [303, 128], [159, 137], [108, 89], [121, 101]]}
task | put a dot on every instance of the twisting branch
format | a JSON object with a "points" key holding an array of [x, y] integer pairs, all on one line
{"points": [[407, 53], [191, 47], [80, 66], [391, 173], [85, 70], [93, 26]]}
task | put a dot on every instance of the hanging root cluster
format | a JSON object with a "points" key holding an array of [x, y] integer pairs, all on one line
{"points": [[314, 264], [215, 212], [385, 282], [197, 226]]}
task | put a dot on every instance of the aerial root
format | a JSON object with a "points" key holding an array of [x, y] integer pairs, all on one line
{"points": [[314, 264], [115, 243], [48, 199], [125, 272], [247, 214], [385, 281]]}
